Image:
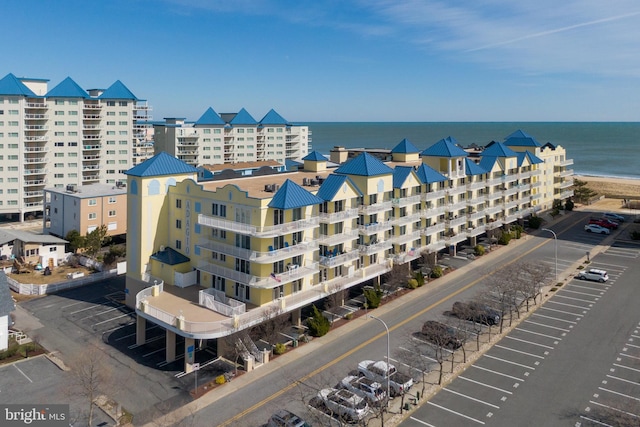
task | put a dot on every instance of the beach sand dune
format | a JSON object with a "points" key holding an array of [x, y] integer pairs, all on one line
{"points": [[614, 188]]}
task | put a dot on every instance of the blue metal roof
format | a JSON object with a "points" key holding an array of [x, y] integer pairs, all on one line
{"points": [[273, 118], [315, 156], [428, 175], [118, 91], [533, 159], [291, 196], [170, 256], [364, 165], [292, 165], [487, 162], [67, 88], [11, 85], [161, 164], [400, 174], [243, 118], [521, 139], [446, 147], [210, 117], [405, 147], [471, 168], [498, 149], [332, 184]]}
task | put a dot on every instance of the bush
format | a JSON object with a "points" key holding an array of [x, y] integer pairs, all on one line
{"points": [[220, 379], [279, 348], [505, 238], [419, 278], [436, 272], [516, 231], [412, 284], [318, 324], [535, 222], [373, 297], [569, 205], [478, 250], [348, 316]]}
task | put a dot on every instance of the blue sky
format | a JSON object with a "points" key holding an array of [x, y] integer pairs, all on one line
{"points": [[332, 60]]}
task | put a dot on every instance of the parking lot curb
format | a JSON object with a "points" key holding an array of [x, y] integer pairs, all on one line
{"points": [[57, 361]]}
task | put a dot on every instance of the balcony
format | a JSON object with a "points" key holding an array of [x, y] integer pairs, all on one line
{"points": [[34, 182], [91, 147], [90, 167], [494, 181], [95, 106], [433, 229], [506, 179], [92, 157], [455, 239], [433, 195], [368, 229], [475, 185], [330, 218], [91, 127], [456, 206], [37, 105], [493, 196], [494, 224], [261, 257], [405, 201], [474, 216], [456, 222], [475, 231], [33, 205], [35, 171], [566, 184], [456, 190], [258, 231], [566, 194], [430, 212], [565, 163], [375, 248], [347, 235], [406, 238], [536, 184], [91, 137], [511, 218], [536, 196], [87, 178], [490, 210], [374, 208], [333, 261], [293, 273], [36, 128], [407, 219], [566, 173], [525, 175], [33, 194], [512, 204], [92, 116], [510, 191], [32, 160], [36, 138]]}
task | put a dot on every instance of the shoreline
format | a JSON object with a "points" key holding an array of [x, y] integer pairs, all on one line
{"points": [[612, 187]]}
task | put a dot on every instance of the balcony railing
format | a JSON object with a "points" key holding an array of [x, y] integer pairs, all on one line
{"points": [[510, 191], [490, 210], [456, 222], [376, 207], [405, 201], [332, 261], [37, 105], [476, 185], [404, 238], [566, 173], [455, 239], [511, 204], [433, 229], [294, 273], [347, 234], [456, 206], [264, 231], [368, 229], [565, 163], [434, 195], [344, 215], [35, 171], [375, 248], [475, 231], [35, 160], [36, 149], [494, 196], [457, 190], [566, 184], [524, 175], [407, 219], [261, 257], [473, 216], [430, 212], [566, 194]]}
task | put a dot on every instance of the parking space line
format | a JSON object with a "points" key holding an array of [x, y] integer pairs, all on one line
{"points": [[560, 311], [25, 375], [421, 422], [456, 413], [632, 345], [619, 394], [421, 355], [153, 352], [554, 318], [98, 314], [614, 409], [595, 421], [626, 367], [497, 373], [575, 299], [529, 342], [548, 326], [580, 293], [485, 385], [635, 336], [588, 287], [568, 305], [114, 318], [159, 337], [89, 308], [134, 334], [624, 380], [629, 356], [538, 333], [510, 362], [471, 398], [518, 351]]}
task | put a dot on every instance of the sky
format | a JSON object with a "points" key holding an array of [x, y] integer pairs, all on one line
{"points": [[341, 60]]}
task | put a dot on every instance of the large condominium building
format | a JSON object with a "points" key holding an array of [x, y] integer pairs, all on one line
{"points": [[65, 136], [207, 260], [232, 138]]}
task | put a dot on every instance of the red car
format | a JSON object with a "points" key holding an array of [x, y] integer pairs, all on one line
{"points": [[602, 222]]}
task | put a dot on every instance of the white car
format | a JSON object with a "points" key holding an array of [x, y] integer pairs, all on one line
{"points": [[344, 403], [594, 228], [594, 274], [364, 387]]}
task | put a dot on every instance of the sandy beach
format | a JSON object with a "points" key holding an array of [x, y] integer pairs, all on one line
{"points": [[615, 188]]}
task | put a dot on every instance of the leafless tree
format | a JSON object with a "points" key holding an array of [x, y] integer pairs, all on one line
{"points": [[273, 322], [439, 339], [397, 277], [411, 354], [465, 315], [335, 299], [501, 290], [533, 277], [233, 349]]}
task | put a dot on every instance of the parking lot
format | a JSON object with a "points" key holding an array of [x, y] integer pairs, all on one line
{"points": [[484, 390]]}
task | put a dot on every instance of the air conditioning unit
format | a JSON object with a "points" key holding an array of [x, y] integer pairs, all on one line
{"points": [[268, 188], [72, 188]]}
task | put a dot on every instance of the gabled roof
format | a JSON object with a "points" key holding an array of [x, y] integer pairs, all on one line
{"points": [[533, 159], [364, 165], [243, 118], [6, 300], [332, 184], [170, 256], [7, 236], [428, 175], [400, 174], [291, 196], [11, 85], [521, 139], [210, 117], [161, 164], [118, 91], [487, 162], [67, 88], [405, 147], [315, 156], [273, 118], [446, 147], [498, 149], [471, 168]]}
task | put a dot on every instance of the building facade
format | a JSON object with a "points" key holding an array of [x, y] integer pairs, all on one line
{"points": [[84, 209], [232, 138], [66, 136], [282, 241]]}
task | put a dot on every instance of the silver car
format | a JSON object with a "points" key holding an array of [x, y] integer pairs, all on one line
{"points": [[284, 418], [344, 403], [364, 387]]}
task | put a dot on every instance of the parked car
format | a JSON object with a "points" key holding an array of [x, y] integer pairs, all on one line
{"points": [[594, 228], [613, 217], [476, 312], [365, 387], [378, 371], [284, 418], [344, 403], [594, 274], [441, 334], [603, 222]]}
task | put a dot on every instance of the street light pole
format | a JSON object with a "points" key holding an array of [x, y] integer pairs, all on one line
{"points": [[388, 355], [555, 243]]}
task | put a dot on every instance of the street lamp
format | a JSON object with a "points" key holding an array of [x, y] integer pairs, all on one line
{"points": [[388, 355], [555, 243]]}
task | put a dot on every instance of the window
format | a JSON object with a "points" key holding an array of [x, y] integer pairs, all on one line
{"points": [[179, 203], [57, 113], [93, 215], [111, 103], [178, 223], [73, 113], [219, 210], [178, 244], [112, 213], [112, 200], [93, 202]]}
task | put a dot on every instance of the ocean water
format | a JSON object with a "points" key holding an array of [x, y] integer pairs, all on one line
{"points": [[598, 149]]}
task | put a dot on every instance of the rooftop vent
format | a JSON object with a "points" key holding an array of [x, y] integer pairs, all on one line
{"points": [[72, 188]]}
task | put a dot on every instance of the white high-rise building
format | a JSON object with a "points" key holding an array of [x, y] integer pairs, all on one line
{"points": [[66, 136]]}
